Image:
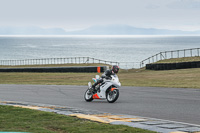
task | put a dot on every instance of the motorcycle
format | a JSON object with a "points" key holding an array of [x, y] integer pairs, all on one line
{"points": [[108, 89]]}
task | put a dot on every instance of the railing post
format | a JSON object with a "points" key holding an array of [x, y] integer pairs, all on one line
{"points": [[152, 59], [156, 57], [142, 64], [160, 55], [88, 59]]}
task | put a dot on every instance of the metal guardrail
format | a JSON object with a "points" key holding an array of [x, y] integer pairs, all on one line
{"points": [[46, 61], [171, 54]]}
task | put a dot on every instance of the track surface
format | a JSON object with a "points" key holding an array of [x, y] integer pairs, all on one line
{"points": [[176, 104]]}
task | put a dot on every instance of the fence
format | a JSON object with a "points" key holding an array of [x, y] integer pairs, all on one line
{"points": [[171, 54], [87, 60], [44, 61], [70, 60]]}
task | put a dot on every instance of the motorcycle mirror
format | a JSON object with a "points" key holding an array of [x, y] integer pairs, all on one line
{"points": [[97, 76]]}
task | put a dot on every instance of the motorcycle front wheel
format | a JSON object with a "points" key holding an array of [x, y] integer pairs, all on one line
{"points": [[88, 95], [112, 96]]}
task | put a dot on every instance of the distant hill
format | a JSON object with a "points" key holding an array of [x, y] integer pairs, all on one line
{"points": [[94, 30], [128, 30], [31, 31]]}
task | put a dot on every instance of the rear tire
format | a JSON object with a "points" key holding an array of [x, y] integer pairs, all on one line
{"points": [[112, 96], [88, 95]]}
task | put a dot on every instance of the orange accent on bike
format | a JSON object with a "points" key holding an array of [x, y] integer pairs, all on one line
{"points": [[95, 96], [113, 89], [99, 69]]}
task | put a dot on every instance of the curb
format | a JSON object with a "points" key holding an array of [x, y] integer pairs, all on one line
{"points": [[157, 125]]}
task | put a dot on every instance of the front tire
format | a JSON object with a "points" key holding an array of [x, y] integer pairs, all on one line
{"points": [[112, 96], [88, 95]]}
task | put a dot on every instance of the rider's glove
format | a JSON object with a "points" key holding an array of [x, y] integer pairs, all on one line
{"points": [[103, 76]]}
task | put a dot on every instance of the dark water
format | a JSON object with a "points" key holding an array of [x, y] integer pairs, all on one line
{"points": [[112, 48]]}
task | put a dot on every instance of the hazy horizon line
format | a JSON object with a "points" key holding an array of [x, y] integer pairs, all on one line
{"points": [[98, 35], [78, 29]]}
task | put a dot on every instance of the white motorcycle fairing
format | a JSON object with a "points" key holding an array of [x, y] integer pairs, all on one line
{"points": [[106, 85]]}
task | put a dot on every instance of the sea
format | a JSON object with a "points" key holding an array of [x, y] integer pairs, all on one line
{"points": [[117, 48]]}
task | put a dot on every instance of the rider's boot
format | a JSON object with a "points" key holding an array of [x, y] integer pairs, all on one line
{"points": [[93, 89], [96, 88]]}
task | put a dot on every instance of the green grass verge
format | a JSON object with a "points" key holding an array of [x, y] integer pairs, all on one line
{"points": [[176, 60], [15, 119], [183, 78]]}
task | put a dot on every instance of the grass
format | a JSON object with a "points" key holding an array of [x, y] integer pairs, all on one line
{"points": [[26, 120], [46, 78], [176, 60], [182, 78]]}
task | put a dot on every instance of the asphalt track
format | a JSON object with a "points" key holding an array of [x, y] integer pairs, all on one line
{"points": [[175, 104]]}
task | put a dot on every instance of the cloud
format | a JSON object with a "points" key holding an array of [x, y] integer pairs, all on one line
{"points": [[185, 4]]}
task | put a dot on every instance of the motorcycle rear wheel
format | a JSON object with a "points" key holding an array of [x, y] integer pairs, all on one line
{"points": [[88, 95], [112, 96]]}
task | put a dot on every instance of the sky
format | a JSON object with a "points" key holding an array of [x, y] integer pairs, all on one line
{"points": [[81, 14]]}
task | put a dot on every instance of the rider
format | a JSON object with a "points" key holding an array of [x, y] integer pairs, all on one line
{"points": [[107, 75]]}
